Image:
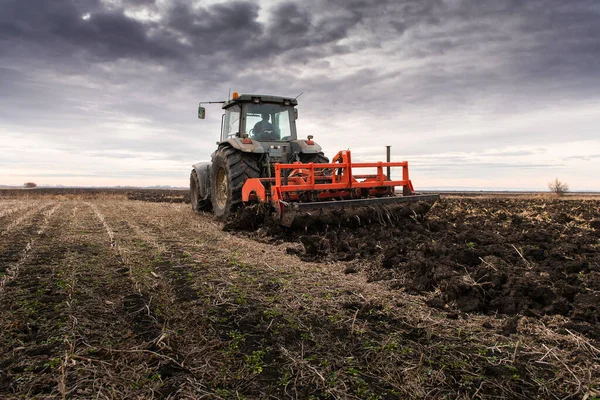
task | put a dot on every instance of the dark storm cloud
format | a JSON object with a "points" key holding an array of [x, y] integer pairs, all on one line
{"points": [[185, 32], [566, 38], [63, 27], [138, 3], [221, 27], [293, 27], [561, 37], [233, 28], [564, 32]]}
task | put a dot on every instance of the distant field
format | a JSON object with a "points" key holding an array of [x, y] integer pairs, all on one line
{"points": [[155, 195], [107, 296]]}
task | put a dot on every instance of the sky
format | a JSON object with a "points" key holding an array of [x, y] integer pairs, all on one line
{"points": [[501, 94]]}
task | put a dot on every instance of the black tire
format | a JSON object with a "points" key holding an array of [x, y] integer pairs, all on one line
{"points": [[198, 204], [230, 170], [317, 158]]}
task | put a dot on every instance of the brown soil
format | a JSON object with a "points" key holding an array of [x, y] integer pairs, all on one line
{"points": [[528, 257], [108, 298]]}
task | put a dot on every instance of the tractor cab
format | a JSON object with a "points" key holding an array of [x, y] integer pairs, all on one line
{"points": [[258, 117], [264, 124]]}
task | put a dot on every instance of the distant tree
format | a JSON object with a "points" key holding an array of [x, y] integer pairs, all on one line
{"points": [[558, 187], [29, 185]]}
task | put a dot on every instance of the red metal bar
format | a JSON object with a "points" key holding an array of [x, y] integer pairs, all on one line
{"points": [[343, 165], [349, 176], [329, 186], [278, 168], [341, 183]]}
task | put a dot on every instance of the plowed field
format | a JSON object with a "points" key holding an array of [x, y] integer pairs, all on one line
{"points": [[106, 297]]}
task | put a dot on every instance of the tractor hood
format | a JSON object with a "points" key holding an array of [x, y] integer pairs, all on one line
{"points": [[305, 146], [246, 145]]}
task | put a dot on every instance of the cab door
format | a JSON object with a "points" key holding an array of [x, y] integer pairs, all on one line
{"points": [[230, 127]]}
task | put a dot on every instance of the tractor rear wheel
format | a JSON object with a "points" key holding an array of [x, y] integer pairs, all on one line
{"points": [[198, 204], [317, 158], [230, 170]]}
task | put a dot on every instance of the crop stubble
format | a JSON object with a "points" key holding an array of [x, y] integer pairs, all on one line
{"points": [[128, 299]]}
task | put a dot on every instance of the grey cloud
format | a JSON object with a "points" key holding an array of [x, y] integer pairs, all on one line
{"points": [[541, 41], [139, 3], [219, 28], [508, 153], [185, 33], [102, 174], [58, 28], [112, 154], [142, 154], [495, 166], [564, 33], [401, 61], [584, 158]]}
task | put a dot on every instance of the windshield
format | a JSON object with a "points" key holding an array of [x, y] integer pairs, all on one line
{"points": [[269, 122]]}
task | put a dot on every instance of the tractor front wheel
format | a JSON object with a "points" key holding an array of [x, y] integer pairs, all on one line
{"points": [[198, 204], [230, 170]]}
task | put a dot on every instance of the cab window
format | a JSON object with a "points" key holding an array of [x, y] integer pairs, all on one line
{"points": [[231, 127], [277, 122]]}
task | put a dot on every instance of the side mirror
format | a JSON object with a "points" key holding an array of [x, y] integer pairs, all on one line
{"points": [[201, 112], [295, 113]]}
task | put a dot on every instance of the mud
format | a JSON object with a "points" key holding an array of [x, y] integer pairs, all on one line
{"points": [[260, 216], [509, 256]]}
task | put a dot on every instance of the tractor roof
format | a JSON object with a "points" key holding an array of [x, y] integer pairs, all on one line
{"points": [[260, 98]]}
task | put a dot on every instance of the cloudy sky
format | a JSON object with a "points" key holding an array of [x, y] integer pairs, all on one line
{"points": [[478, 94]]}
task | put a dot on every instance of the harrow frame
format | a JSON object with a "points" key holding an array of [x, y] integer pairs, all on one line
{"points": [[334, 185]]}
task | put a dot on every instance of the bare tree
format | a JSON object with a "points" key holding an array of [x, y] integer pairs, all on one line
{"points": [[558, 187], [29, 185]]}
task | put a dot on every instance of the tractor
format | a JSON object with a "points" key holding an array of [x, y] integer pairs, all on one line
{"points": [[260, 159]]}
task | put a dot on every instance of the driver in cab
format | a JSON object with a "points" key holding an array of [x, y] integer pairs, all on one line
{"points": [[264, 130]]}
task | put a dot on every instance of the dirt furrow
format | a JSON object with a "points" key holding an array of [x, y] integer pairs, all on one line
{"points": [[88, 330], [22, 218], [30, 347], [155, 312], [167, 294], [107, 351], [210, 304], [11, 208], [282, 316], [15, 240], [569, 342], [12, 270], [102, 220]]}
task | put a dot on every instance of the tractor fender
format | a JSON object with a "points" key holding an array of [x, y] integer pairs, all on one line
{"points": [[203, 172], [300, 146], [236, 143]]}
